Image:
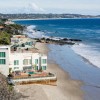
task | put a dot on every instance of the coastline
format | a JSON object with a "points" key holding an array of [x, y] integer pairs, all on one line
{"points": [[66, 87], [87, 61], [87, 73], [91, 61], [42, 19], [49, 19]]}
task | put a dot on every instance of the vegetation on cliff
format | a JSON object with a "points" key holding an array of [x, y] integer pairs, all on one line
{"points": [[5, 38], [7, 92], [6, 31]]}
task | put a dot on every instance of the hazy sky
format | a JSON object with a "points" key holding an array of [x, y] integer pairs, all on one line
{"points": [[50, 6]]}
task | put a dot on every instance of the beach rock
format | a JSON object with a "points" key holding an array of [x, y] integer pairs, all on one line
{"points": [[75, 40], [64, 39], [59, 41]]}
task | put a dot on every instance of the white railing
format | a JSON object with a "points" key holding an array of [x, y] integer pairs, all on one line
{"points": [[35, 79]]}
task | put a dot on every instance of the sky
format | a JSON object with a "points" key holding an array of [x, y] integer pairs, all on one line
{"points": [[88, 7]]}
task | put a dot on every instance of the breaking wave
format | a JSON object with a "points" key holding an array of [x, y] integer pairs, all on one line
{"points": [[32, 32], [88, 52]]}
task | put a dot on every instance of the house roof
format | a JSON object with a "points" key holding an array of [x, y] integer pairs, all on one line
{"points": [[30, 50], [1, 27], [19, 36]]}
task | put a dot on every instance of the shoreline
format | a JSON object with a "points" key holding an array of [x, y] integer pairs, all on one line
{"points": [[86, 59], [49, 19], [41, 19], [49, 91], [66, 87], [65, 78]]}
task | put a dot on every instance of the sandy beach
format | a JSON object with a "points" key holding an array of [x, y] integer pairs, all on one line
{"points": [[66, 88]]}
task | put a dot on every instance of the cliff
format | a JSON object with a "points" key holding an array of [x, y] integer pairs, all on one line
{"points": [[7, 92]]}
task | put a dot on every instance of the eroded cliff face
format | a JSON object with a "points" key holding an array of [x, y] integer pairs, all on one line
{"points": [[7, 92]]}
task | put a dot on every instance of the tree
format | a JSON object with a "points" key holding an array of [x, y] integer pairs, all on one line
{"points": [[4, 38]]}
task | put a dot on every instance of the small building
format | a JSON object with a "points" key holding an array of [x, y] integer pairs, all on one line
{"points": [[17, 39], [1, 28], [9, 22], [22, 41]]}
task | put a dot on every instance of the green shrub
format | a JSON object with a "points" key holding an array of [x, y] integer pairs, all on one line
{"points": [[4, 38]]}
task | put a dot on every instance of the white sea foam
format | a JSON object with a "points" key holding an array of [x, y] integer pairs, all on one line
{"points": [[54, 38], [32, 33], [31, 27], [89, 53]]}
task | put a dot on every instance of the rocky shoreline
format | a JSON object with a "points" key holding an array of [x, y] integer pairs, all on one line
{"points": [[60, 41]]}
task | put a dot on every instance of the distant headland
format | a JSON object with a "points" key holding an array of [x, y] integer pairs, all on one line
{"points": [[46, 16]]}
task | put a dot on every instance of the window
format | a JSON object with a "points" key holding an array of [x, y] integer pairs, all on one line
{"points": [[44, 61], [26, 43], [36, 68], [16, 62], [25, 62], [43, 67], [36, 61], [23, 45], [30, 43], [30, 61], [16, 67], [2, 61], [2, 54]]}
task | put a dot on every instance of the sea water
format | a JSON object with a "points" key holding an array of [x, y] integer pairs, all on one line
{"points": [[88, 30]]}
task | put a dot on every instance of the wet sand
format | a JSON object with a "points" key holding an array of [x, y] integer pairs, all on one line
{"points": [[66, 89]]}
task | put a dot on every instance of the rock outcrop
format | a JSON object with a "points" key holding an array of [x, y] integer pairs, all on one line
{"points": [[7, 92], [58, 41]]}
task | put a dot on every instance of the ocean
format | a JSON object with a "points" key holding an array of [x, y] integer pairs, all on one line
{"points": [[88, 30], [82, 60]]}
